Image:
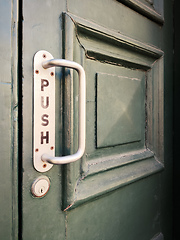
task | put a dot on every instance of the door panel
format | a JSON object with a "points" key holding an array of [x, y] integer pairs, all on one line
{"points": [[114, 191], [123, 118], [120, 116]]}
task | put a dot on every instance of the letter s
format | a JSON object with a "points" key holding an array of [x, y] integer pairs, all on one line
{"points": [[45, 120]]}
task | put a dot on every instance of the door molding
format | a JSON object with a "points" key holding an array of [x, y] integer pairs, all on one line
{"points": [[94, 176], [149, 9]]}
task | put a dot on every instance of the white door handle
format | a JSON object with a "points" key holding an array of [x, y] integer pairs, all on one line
{"points": [[46, 64]]}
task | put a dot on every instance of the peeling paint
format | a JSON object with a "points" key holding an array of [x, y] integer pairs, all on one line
{"points": [[68, 207], [124, 42]]}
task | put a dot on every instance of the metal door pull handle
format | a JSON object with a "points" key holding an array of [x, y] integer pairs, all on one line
{"points": [[82, 111], [44, 111]]}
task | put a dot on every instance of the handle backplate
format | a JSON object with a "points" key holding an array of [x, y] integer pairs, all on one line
{"points": [[44, 111]]}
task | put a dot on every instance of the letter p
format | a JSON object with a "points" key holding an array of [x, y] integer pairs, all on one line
{"points": [[44, 83]]}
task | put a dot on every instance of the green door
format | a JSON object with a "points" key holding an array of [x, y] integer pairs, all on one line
{"points": [[121, 187]]}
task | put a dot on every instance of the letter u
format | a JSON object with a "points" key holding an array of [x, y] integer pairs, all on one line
{"points": [[44, 103]]}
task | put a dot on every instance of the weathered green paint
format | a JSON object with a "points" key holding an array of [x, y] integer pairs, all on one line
{"points": [[6, 170], [111, 195], [120, 109], [152, 11], [117, 16], [132, 212], [120, 55], [8, 121], [105, 41], [43, 218]]}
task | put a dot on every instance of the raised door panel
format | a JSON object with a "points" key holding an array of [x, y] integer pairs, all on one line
{"points": [[120, 109], [124, 110]]}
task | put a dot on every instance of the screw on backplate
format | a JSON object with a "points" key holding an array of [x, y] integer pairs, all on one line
{"points": [[37, 71], [52, 74], [44, 165], [44, 55]]}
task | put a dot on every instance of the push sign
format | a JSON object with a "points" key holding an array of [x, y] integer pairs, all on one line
{"points": [[44, 111]]}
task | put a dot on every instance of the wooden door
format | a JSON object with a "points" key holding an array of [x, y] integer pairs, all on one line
{"points": [[121, 187]]}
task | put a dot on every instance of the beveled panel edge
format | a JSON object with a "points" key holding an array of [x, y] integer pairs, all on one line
{"points": [[155, 110], [85, 26], [105, 56], [109, 162], [90, 188], [144, 10]]}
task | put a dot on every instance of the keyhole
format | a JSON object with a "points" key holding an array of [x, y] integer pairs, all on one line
{"points": [[42, 190], [40, 186]]}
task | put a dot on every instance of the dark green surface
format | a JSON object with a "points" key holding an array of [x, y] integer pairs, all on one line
{"points": [[176, 119], [139, 210], [42, 29], [166, 179], [130, 213], [99, 121], [8, 120], [112, 196], [120, 109], [6, 169]]}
